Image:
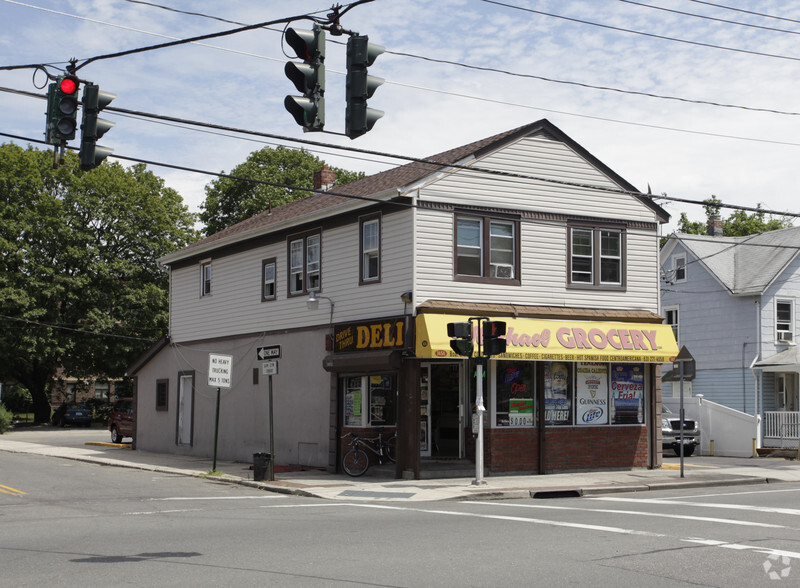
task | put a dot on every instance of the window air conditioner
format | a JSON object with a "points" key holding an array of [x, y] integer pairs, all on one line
{"points": [[504, 271], [784, 335]]}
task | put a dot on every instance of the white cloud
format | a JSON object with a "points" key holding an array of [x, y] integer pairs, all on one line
{"points": [[246, 88]]}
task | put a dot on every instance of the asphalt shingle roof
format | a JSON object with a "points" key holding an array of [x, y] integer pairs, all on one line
{"points": [[745, 265]]}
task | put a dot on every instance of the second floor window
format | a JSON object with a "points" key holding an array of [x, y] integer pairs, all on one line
{"points": [[371, 249], [596, 257], [784, 320], [268, 285], [305, 254], [679, 267], [487, 248], [671, 314], [205, 279]]}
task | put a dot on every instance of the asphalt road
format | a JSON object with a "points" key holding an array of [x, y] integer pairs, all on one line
{"points": [[67, 523]]}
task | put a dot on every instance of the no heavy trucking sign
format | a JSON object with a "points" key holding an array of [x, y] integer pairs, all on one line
{"points": [[219, 370]]}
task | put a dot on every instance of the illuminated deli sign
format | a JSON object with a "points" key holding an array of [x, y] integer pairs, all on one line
{"points": [[369, 336], [536, 339]]}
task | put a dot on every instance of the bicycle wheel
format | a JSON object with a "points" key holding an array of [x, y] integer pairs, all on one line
{"points": [[355, 462], [391, 449]]}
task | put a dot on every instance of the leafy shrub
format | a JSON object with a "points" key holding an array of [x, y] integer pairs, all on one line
{"points": [[5, 419]]}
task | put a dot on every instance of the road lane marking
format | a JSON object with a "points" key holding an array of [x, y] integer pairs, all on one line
{"points": [[733, 493], [259, 497], [10, 490], [637, 513], [582, 526], [747, 507]]}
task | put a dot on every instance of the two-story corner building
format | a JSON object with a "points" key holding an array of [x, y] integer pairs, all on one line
{"points": [[350, 291], [732, 302]]}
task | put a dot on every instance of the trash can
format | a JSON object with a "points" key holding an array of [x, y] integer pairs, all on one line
{"points": [[260, 466]]}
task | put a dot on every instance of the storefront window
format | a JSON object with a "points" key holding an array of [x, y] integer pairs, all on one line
{"points": [[627, 394], [591, 394], [557, 392], [515, 393], [370, 401]]}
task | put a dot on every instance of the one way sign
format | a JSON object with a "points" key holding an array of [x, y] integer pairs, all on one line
{"points": [[270, 352]]}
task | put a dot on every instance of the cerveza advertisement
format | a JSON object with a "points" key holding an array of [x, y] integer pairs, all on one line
{"points": [[539, 339]]}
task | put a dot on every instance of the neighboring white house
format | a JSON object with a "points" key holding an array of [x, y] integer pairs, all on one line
{"points": [[732, 301], [525, 227]]}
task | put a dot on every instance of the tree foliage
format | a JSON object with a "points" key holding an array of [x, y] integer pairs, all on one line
{"points": [[738, 224], [232, 200], [80, 288]]}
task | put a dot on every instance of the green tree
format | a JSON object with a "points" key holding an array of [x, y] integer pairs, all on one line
{"points": [[738, 224], [80, 287], [229, 201]]}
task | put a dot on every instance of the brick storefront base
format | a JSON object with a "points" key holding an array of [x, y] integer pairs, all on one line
{"points": [[567, 448]]}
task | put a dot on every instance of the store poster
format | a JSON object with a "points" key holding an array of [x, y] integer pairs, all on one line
{"points": [[352, 403], [591, 394], [556, 393], [515, 394], [627, 393]]}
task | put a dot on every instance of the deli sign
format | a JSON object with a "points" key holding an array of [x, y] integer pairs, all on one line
{"points": [[370, 336]]}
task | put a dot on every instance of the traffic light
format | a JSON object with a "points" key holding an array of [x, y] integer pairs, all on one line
{"points": [[62, 110], [92, 128], [461, 335], [360, 55], [492, 342], [308, 77]]}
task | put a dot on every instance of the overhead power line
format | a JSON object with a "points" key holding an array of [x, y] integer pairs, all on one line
{"points": [[463, 65], [712, 18], [746, 11], [642, 33], [427, 161]]}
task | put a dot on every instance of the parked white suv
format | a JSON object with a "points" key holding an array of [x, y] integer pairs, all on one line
{"points": [[671, 433]]}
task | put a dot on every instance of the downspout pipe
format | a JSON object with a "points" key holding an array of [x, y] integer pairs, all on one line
{"points": [[756, 373]]}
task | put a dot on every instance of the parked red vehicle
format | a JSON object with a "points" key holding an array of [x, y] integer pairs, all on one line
{"points": [[120, 422]]}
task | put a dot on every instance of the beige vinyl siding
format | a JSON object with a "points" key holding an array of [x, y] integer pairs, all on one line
{"points": [[544, 269], [235, 307], [543, 158]]}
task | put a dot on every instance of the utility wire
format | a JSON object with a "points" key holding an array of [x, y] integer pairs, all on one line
{"points": [[430, 162], [746, 11], [412, 56], [712, 18], [651, 35]]}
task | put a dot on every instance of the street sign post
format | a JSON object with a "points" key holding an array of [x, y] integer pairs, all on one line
{"points": [[220, 368], [685, 364]]}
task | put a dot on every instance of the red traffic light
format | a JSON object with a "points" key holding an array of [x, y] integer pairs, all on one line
{"points": [[68, 85]]}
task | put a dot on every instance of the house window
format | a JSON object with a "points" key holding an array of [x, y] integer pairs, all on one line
{"points": [[305, 254], [515, 394], [487, 249], [205, 278], [162, 394], [268, 277], [596, 257], [371, 249], [370, 401], [101, 390], [671, 319], [679, 268], [784, 320]]}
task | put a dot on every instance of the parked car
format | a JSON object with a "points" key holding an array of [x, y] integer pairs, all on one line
{"points": [[671, 433], [120, 422], [72, 413]]}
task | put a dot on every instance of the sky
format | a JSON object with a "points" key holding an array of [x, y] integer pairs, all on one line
{"points": [[725, 123]]}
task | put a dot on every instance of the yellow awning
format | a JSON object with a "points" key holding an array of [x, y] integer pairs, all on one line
{"points": [[538, 339]]}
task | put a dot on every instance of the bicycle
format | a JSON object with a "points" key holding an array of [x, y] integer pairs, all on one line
{"points": [[356, 461]]}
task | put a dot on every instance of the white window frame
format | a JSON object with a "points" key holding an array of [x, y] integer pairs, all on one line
{"points": [[785, 334], [205, 278], [488, 244], [679, 268], [269, 281], [371, 250], [305, 263], [676, 324], [590, 275]]}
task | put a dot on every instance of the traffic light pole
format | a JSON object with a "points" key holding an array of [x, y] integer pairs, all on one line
{"points": [[480, 409]]}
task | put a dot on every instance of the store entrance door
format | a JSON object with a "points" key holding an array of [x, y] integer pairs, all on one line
{"points": [[442, 411]]}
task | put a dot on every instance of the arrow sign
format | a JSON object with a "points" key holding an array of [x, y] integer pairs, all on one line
{"points": [[270, 352]]}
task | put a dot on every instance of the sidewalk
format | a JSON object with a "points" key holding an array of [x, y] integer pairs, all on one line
{"points": [[321, 484]]}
